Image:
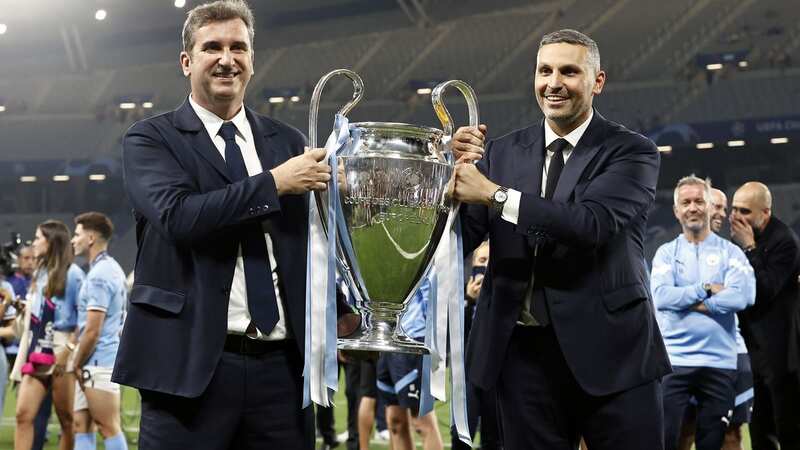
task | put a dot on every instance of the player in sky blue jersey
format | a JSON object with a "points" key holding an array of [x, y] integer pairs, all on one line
{"points": [[699, 281], [101, 308]]}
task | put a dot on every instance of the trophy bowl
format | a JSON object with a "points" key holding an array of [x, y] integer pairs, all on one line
{"points": [[393, 210]]}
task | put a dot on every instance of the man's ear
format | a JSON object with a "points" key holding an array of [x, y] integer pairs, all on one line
{"points": [[599, 82], [185, 60]]}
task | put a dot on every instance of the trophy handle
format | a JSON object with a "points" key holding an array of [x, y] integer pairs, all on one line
{"points": [[313, 110], [444, 115]]}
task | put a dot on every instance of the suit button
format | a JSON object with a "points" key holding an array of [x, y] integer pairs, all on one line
{"points": [[266, 207], [258, 209]]}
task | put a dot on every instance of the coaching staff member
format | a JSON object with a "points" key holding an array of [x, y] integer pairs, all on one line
{"points": [[565, 325], [214, 334]]}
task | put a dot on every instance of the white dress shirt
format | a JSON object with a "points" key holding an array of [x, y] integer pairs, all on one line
{"points": [[511, 206], [238, 314]]}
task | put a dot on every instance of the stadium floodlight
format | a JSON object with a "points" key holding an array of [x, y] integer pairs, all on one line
{"points": [[277, 99], [665, 148], [3, 28], [705, 145], [60, 178], [779, 140], [147, 105], [27, 179], [715, 66], [100, 14], [743, 64], [294, 99], [424, 91], [180, 3], [127, 105], [737, 143], [97, 177]]}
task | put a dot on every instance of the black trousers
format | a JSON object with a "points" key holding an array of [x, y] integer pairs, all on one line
{"points": [[543, 407], [776, 414], [481, 410], [715, 392], [253, 402], [352, 377], [325, 424]]}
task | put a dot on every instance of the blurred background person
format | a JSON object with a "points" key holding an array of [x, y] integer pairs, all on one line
{"points": [[49, 321], [773, 250], [699, 281], [7, 298], [21, 280], [743, 405], [399, 383], [101, 302]]}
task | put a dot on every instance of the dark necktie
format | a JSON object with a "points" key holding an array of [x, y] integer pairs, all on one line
{"points": [[539, 304], [556, 165], [261, 301]]}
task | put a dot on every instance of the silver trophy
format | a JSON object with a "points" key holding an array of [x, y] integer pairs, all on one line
{"points": [[393, 181]]}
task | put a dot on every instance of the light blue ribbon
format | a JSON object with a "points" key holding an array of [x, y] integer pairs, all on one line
{"points": [[458, 382], [426, 398], [319, 387]]}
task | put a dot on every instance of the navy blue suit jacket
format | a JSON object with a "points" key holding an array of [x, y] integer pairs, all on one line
{"points": [[590, 260], [189, 216]]}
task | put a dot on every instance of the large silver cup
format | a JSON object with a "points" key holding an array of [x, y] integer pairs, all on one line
{"points": [[394, 205]]}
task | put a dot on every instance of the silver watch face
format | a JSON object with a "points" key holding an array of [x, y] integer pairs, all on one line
{"points": [[500, 196]]}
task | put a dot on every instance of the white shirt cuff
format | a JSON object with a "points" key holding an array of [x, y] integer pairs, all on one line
{"points": [[511, 207]]}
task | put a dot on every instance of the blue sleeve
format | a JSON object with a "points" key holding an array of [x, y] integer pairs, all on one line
{"points": [[75, 278], [666, 295], [740, 285]]}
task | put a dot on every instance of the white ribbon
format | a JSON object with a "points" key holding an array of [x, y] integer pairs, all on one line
{"points": [[320, 372]]}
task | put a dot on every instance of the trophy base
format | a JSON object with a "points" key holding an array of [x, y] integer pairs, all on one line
{"points": [[374, 341]]}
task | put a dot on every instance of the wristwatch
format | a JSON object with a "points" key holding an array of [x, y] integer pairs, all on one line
{"points": [[499, 199], [707, 287]]}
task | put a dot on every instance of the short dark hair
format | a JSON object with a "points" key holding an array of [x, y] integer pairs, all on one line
{"points": [[218, 11], [97, 222], [575, 37]]}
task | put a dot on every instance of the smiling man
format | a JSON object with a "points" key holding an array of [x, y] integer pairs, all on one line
{"points": [[565, 327], [699, 281], [214, 334]]}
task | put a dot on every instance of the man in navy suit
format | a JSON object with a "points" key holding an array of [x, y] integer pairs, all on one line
{"points": [[565, 326], [214, 333]]}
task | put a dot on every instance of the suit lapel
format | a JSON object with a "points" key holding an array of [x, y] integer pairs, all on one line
{"points": [[588, 146], [531, 160], [186, 120], [263, 135]]}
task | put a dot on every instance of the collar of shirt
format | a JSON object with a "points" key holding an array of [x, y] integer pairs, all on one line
{"points": [[213, 122], [97, 258], [573, 137]]}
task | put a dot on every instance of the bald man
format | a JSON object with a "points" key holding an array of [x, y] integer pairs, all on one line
{"points": [[719, 207], [774, 252]]}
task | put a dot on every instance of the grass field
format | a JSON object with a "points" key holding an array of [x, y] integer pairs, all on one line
{"points": [[130, 421]]}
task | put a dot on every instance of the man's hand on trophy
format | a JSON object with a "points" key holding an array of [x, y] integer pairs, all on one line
{"points": [[303, 173], [468, 143], [471, 186]]}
